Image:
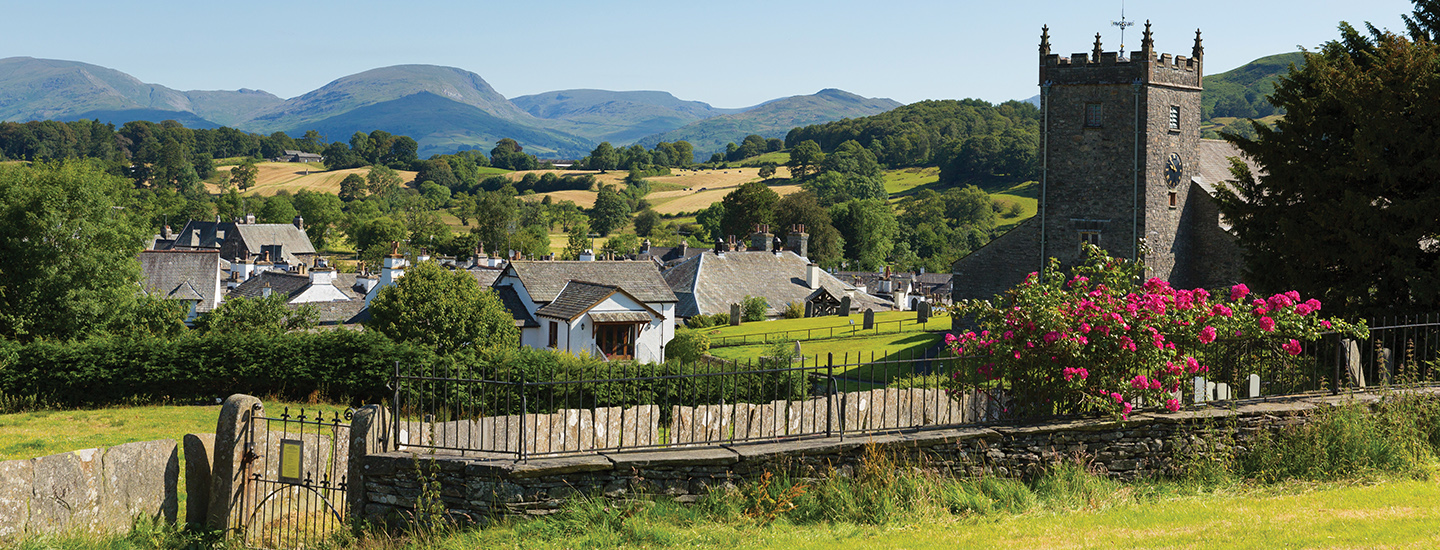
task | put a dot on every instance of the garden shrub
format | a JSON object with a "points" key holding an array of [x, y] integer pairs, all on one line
{"points": [[753, 308], [1103, 339]]}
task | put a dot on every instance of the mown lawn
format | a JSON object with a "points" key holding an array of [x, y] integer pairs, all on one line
{"points": [[821, 327], [857, 349]]}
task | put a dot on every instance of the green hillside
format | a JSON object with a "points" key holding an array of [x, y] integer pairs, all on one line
{"points": [[40, 89], [772, 120], [1241, 92]]}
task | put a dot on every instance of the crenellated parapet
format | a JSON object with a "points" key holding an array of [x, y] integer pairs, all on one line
{"points": [[1101, 67]]}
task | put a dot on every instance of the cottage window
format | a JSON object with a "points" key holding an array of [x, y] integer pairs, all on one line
{"points": [[554, 334], [1093, 118]]}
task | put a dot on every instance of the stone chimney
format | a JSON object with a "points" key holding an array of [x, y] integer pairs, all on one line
{"points": [[684, 247], [250, 218], [302, 269], [299, 223], [645, 247], [424, 255], [322, 276], [167, 234], [587, 256], [762, 238], [812, 276], [393, 268], [798, 241]]}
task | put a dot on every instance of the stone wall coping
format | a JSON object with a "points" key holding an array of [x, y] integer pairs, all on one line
{"points": [[703, 456], [536, 467]]}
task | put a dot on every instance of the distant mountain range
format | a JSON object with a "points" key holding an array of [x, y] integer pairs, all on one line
{"points": [[444, 108]]}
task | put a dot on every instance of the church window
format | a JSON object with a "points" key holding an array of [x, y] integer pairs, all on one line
{"points": [[1088, 236], [1092, 115], [1174, 117]]}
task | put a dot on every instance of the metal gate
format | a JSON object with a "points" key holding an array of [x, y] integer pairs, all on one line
{"points": [[295, 468]]}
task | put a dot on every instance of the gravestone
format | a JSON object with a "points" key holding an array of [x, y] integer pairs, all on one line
{"points": [[922, 312], [734, 315], [869, 319], [1254, 385], [1348, 355], [844, 307], [1222, 392], [1201, 394], [809, 309]]}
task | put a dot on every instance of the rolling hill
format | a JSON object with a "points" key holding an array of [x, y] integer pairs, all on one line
{"points": [[1241, 92], [772, 119], [443, 125], [617, 117]]}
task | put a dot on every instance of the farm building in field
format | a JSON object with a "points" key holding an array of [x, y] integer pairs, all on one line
{"points": [[298, 156], [613, 310]]}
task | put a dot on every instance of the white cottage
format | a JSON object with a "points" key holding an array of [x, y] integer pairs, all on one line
{"points": [[614, 310]]}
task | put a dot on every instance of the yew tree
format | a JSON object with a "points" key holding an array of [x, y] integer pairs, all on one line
{"points": [[1347, 205]]}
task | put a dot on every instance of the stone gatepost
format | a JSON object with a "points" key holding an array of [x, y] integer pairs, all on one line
{"points": [[234, 462], [199, 454], [369, 434]]}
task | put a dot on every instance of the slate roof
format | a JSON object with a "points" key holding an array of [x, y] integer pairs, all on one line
{"points": [[708, 283], [1212, 163], [545, 279], [577, 298], [485, 277], [182, 274], [280, 282], [203, 234], [512, 302]]}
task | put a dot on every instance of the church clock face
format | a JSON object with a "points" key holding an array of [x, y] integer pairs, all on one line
{"points": [[1173, 168]]}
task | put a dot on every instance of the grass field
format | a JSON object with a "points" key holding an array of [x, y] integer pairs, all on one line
{"points": [[822, 327], [272, 177], [908, 180], [858, 349]]}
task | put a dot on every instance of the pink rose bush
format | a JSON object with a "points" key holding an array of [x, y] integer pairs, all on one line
{"points": [[1103, 339]]}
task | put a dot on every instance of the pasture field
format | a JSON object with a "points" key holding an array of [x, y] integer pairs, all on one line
{"points": [[824, 327], [904, 181], [272, 177]]}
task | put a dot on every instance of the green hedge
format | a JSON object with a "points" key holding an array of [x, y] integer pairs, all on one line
{"points": [[339, 365]]}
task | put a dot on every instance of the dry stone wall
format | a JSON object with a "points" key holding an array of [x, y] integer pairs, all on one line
{"points": [[474, 488], [91, 490]]}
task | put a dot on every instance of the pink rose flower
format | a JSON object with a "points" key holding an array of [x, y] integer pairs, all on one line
{"points": [[1172, 405], [1292, 347], [1266, 324], [1207, 335], [1238, 291]]}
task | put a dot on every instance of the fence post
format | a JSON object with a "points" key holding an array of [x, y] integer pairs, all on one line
{"points": [[524, 411], [829, 392], [395, 442]]}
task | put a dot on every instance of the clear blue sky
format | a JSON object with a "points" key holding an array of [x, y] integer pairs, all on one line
{"points": [[729, 54]]}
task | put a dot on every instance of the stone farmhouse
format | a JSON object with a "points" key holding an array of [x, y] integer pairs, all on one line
{"points": [[1122, 166], [243, 239]]}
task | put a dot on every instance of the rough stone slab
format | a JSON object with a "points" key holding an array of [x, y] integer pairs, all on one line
{"points": [[767, 450], [640, 426], [679, 457], [539, 467], [66, 492], [926, 438], [226, 472], [16, 479], [489, 468], [140, 479], [199, 452]]}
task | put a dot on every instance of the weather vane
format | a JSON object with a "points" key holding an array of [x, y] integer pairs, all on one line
{"points": [[1122, 23]]}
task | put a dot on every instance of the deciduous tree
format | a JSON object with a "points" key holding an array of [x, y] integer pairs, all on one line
{"points": [[446, 310]]}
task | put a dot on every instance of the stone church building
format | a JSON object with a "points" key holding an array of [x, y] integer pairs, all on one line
{"points": [[1121, 161]]}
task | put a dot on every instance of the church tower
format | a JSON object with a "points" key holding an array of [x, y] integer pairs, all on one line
{"points": [[1118, 148], [1120, 167]]}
